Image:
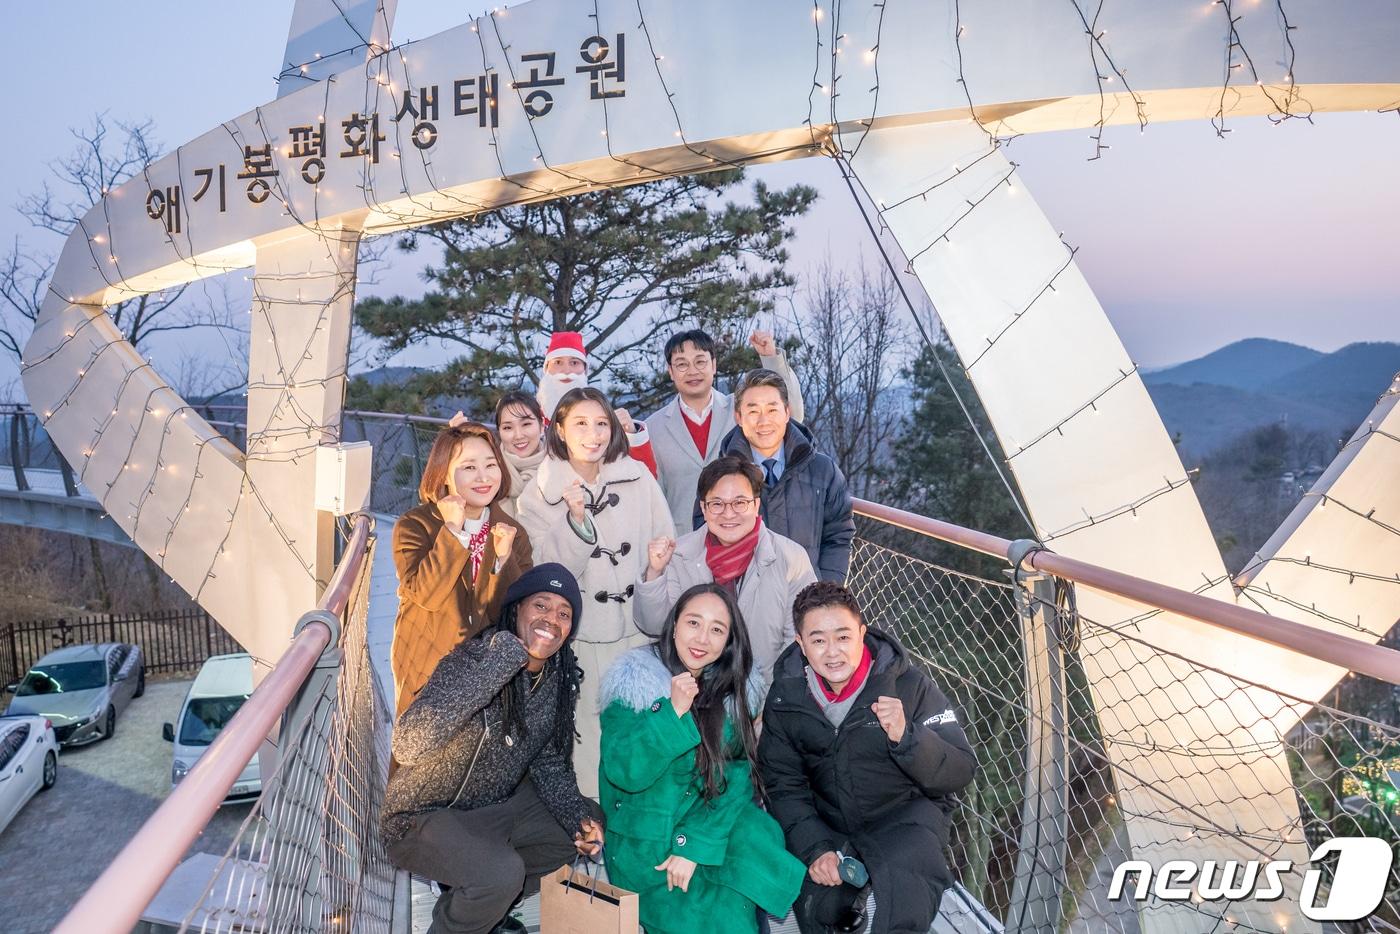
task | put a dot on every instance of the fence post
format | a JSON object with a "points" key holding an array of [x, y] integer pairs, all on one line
{"points": [[14, 655], [208, 634], [1039, 881]]}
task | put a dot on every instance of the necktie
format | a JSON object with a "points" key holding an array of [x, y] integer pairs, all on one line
{"points": [[769, 478]]}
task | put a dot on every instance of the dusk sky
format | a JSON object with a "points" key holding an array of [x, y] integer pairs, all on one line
{"points": [[1190, 241]]}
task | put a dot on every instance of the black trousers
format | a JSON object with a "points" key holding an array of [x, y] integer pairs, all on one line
{"points": [[490, 857], [901, 904]]}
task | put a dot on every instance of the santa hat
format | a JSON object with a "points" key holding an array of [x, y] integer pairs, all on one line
{"points": [[565, 344]]}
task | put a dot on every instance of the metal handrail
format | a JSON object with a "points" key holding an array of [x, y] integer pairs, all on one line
{"points": [[1334, 648], [115, 901]]}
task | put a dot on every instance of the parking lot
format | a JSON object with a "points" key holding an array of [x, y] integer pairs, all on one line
{"points": [[64, 837]]}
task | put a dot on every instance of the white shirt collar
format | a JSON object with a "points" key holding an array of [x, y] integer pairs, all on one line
{"points": [[700, 416], [471, 526]]}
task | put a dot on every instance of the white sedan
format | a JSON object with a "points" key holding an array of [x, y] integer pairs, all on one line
{"points": [[28, 762]]}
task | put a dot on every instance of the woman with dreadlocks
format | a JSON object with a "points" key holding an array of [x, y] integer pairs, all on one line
{"points": [[678, 781], [593, 509], [484, 796]]}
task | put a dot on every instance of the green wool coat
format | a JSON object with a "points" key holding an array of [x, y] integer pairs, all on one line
{"points": [[652, 799]]}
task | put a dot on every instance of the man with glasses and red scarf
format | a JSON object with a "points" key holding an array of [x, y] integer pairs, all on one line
{"points": [[736, 550]]}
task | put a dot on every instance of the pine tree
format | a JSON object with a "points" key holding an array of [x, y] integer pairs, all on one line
{"points": [[625, 266]]}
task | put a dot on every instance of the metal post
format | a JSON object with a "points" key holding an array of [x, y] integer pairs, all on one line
{"points": [[297, 816], [70, 486], [1039, 881], [17, 458]]}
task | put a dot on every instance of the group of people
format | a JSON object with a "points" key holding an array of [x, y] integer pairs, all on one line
{"points": [[637, 633]]}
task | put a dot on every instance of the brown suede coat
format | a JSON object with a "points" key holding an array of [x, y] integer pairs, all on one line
{"points": [[439, 606]]}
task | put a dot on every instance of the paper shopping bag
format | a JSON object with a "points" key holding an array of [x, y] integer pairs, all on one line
{"points": [[572, 902]]}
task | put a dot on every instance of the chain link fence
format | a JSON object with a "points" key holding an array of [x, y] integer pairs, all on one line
{"points": [[1040, 854], [308, 857]]}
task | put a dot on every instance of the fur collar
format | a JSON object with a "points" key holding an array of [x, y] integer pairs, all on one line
{"points": [[556, 474], [638, 679]]}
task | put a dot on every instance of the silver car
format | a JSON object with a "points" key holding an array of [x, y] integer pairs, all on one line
{"points": [[81, 689]]}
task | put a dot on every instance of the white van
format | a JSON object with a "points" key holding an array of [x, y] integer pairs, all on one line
{"points": [[222, 685]]}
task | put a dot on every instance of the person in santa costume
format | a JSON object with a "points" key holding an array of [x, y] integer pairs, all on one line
{"points": [[565, 368], [521, 426]]}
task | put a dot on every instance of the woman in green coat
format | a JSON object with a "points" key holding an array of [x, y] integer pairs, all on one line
{"points": [[678, 784]]}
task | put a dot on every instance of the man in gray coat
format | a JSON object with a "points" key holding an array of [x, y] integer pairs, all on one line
{"points": [[686, 432], [736, 550]]}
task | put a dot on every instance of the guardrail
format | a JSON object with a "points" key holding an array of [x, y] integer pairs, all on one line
{"points": [[1352, 654], [116, 900], [1047, 811]]}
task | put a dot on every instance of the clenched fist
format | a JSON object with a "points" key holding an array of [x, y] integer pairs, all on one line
{"points": [[659, 553], [459, 419], [684, 687], [764, 343], [502, 539], [890, 712], [825, 869], [575, 498], [624, 416], [453, 511]]}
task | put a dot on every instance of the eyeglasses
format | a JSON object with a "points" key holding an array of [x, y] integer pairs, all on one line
{"points": [[718, 507], [603, 596], [685, 366], [600, 551]]}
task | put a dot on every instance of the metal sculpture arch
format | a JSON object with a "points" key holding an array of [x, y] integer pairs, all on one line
{"points": [[553, 97]]}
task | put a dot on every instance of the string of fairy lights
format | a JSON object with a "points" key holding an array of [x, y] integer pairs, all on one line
{"points": [[286, 420]]}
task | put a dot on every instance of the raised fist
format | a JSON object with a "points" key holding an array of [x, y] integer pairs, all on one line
{"points": [[628, 426], [575, 498], [764, 343], [453, 510], [684, 687], [502, 538], [458, 419], [659, 553], [890, 712]]}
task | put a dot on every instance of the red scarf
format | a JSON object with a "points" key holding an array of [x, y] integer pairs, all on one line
{"points": [[729, 562], [476, 547], [853, 685]]}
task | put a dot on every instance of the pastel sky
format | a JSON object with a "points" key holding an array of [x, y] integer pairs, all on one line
{"points": [[1190, 241]]}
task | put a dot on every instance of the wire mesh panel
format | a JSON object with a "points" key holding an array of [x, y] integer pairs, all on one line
{"points": [[401, 448], [308, 857], [1343, 761]]}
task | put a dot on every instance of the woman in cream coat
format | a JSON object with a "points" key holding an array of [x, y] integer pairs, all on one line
{"points": [[592, 508]]}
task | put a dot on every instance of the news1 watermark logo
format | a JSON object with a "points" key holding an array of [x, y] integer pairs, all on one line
{"points": [[1358, 881]]}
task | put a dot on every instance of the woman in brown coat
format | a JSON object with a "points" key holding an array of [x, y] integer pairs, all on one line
{"points": [[456, 554]]}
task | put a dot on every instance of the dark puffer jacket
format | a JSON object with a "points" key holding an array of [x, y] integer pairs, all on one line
{"points": [[451, 749], [809, 504], [828, 785]]}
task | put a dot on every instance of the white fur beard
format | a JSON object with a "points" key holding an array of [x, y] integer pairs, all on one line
{"points": [[552, 389]]}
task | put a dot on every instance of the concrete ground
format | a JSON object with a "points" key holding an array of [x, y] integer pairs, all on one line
{"points": [[64, 837]]}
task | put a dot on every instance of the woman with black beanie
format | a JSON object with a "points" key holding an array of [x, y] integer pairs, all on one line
{"points": [[484, 797]]}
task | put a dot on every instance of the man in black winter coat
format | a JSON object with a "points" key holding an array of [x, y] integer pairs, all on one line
{"points": [[859, 754], [483, 796], [805, 496]]}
